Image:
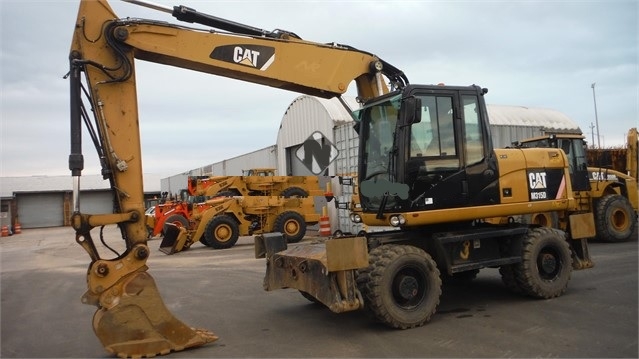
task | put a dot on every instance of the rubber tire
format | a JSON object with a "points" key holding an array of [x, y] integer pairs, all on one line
{"points": [[292, 226], [221, 232], [615, 219], [380, 283], [509, 279], [294, 192], [544, 243], [176, 219]]}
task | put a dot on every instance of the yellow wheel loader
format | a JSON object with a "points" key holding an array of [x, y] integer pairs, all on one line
{"points": [[219, 222], [426, 168], [612, 195], [259, 182]]}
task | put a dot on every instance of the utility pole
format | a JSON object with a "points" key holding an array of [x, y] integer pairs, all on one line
{"points": [[592, 132], [594, 99]]}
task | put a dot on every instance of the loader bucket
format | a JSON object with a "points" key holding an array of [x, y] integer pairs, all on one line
{"points": [[139, 324], [174, 239]]}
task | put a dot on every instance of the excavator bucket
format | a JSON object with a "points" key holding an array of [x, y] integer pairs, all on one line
{"points": [[175, 239], [139, 324]]}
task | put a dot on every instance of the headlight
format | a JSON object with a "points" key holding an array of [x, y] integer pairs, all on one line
{"points": [[397, 220], [356, 218]]}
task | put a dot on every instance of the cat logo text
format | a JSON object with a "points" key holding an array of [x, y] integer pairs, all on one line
{"points": [[537, 185], [259, 57]]}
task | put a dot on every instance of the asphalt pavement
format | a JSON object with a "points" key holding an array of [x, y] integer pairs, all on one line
{"points": [[43, 277]]}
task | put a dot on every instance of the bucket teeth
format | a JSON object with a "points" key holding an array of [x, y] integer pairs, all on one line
{"points": [[140, 325]]}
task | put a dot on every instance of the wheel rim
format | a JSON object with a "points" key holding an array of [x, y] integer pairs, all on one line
{"points": [[409, 287], [177, 224], [549, 263], [291, 227], [223, 233], [619, 220]]}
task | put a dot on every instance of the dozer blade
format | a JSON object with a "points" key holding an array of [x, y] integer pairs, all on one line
{"points": [[174, 239], [139, 324]]}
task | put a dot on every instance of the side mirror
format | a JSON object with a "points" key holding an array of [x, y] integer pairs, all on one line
{"points": [[411, 110]]}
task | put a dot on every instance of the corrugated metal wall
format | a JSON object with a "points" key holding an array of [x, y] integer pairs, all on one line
{"points": [[264, 158], [346, 140], [174, 184], [304, 116], [504, 135]]}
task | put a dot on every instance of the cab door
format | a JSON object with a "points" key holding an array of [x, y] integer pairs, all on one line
{"points": [[449, 153]]}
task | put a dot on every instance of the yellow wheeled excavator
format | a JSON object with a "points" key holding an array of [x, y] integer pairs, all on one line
{"points": [[426, 166]]}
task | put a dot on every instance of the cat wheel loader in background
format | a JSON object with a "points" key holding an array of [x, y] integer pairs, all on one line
{"points": [[174, 211], [219, 222], [256, 182], [611, 194], [621, 159], [260, 182], [426, 167]]}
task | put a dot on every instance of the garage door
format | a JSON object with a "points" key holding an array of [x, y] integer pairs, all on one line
{"points": [[96, 202], [36, 210]]}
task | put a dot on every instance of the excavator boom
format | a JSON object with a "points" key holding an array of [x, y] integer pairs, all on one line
{"points": [[132, 320]]}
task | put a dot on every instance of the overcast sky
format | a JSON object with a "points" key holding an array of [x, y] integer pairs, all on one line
{"points": [[527, 53]]}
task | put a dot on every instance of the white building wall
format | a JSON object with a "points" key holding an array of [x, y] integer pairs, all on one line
{"points": [[263, 158], [504, 135], [515, 123], [176, 183], [346, 141], [304, 116]]}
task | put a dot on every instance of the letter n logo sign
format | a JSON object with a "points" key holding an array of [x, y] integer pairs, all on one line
{"points": [[317, 152]]}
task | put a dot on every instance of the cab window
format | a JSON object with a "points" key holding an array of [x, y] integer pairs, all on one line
{"points": [[473, 135]]}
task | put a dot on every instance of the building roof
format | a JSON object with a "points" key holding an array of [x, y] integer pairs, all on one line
{"points": [[546, 119], [10, 185], [334, 107], [499, 115]]}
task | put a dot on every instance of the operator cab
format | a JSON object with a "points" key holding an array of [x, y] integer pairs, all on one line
{"points": [[426, 147], [264, 172]]}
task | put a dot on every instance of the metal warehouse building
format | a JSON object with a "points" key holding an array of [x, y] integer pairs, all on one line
{"points": [[307, 115], [46, 201]]}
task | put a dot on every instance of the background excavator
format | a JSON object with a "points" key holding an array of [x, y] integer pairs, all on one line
{"points": [[426, 167]]}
